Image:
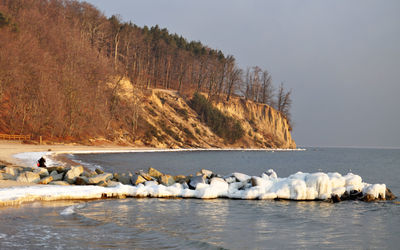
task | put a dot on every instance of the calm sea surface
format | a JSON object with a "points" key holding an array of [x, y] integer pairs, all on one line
{"points": [[221, 223]]}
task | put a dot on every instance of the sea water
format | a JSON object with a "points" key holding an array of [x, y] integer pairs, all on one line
{"points": [[219, 223]]}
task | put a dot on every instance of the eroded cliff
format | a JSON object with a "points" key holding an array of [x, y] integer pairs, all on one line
{"points": [[167, 121]]}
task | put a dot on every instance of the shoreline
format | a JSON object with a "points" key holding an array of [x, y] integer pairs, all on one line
{"points": [[9, 149]]}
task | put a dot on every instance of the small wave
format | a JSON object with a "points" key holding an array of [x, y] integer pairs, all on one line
{"points": [[71, 209]]}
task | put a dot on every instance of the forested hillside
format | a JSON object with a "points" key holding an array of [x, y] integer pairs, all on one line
{"points": [[63, 64]]}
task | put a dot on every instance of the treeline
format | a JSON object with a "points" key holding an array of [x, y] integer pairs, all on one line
{"points": [[61, 62]]}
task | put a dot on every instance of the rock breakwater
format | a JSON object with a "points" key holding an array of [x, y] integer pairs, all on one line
{"points": [[80, 183]]}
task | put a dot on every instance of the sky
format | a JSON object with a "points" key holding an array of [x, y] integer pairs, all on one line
{"points": [[340, 58]]}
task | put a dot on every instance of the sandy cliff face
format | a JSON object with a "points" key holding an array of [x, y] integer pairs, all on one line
{"points": [[171, 123], [165, 120], [264, 126]]}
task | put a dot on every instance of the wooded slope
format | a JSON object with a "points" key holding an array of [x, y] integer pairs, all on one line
{"points": [[63, 64]]}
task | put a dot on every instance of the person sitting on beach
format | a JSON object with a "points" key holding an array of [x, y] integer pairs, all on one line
{"points": [[41, 163]]}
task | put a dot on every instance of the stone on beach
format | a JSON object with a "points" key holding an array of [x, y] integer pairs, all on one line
{"points": [[57, 176], [196, 180], [11, 171], [42, 172], [5, 176], [71, 175], [137, 179], [181, 179], [154, 173], [59, 169], [206, 172], [82, 180], [100, 178], [29, 177], [167, 180], [389, 195], [99, 171], [124, 178], [88, 173], [46, 180], [146, 176]]}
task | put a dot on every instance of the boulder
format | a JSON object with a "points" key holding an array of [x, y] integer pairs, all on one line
{"points": [[71, 175], [206, 172], [99, 171], [43, 172], [146, 176], [389, 195], [167, 180], [5, 176], [29, 177], [194, 181], [154, 173], [46, 180], [59, 169], [81, 180], [137, 179], [368, 198], [61, 183], [30, 169], [89, 173], [124, 178], [57, 176], [95, 180], [181, 179], [14, 171], [335, 198]]}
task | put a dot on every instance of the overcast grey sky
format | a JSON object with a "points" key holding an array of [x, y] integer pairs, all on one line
{"points": [[341, 58]]}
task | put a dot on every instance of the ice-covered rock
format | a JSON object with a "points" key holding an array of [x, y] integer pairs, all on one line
{"points": [[206, 172], [299, 186], [241, 177], [196, 180]]}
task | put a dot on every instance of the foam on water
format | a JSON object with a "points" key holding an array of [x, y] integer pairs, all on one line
{"points": [[299, 186]]}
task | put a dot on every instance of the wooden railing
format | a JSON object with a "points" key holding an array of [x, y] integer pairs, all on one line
{"points": [[14, 137]]}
